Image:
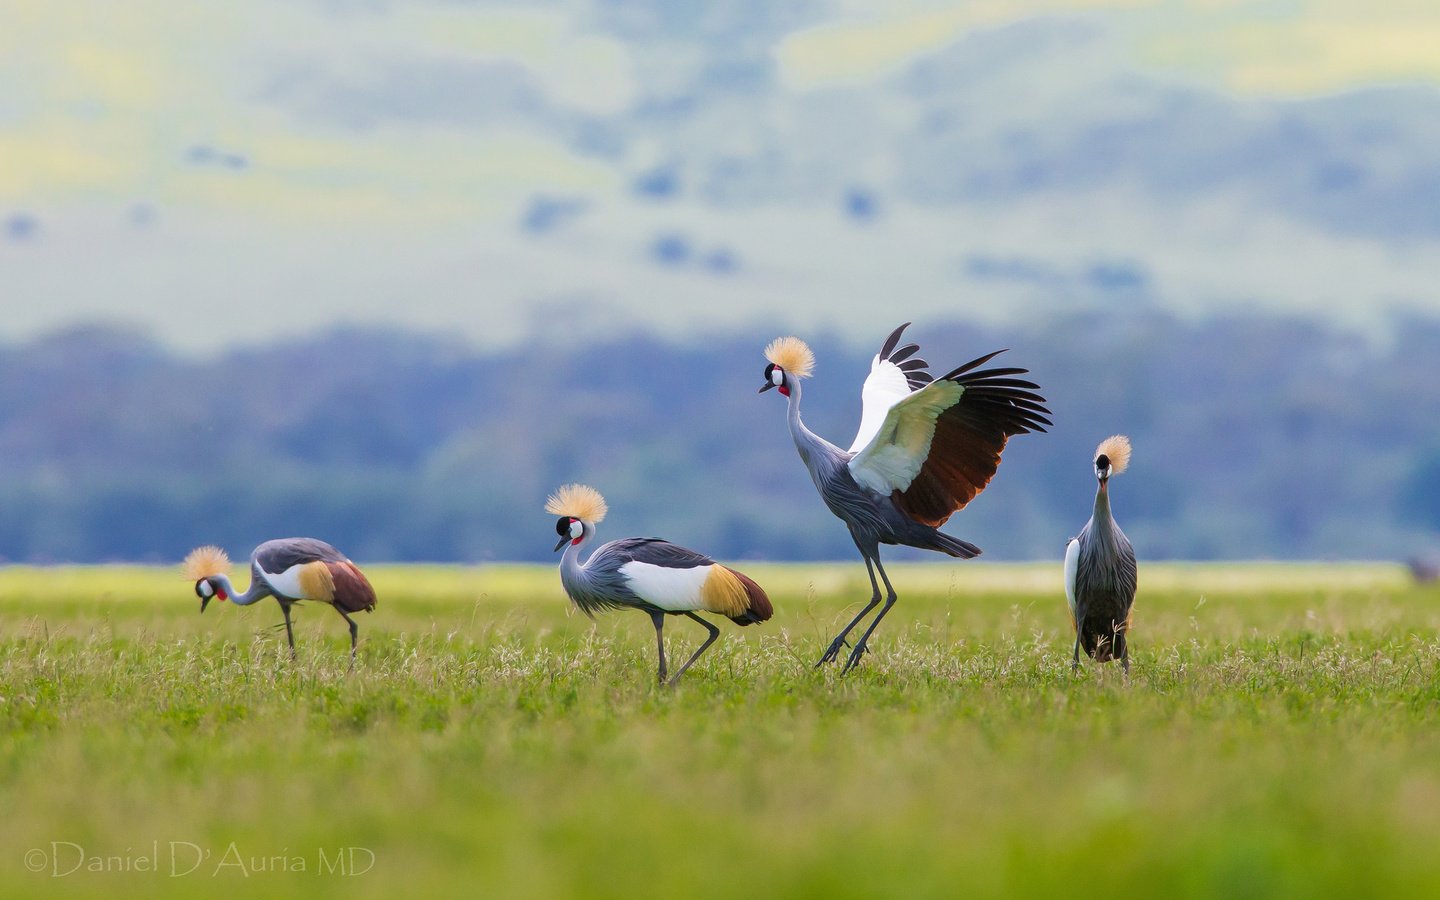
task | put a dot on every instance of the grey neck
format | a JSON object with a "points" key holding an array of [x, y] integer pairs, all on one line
{"points": [[257, 590], [571, 569], [1104, 523], [811, 446]]}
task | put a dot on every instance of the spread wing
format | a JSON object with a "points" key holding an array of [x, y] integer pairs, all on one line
{"points": [[938, 447], [893, 375]]}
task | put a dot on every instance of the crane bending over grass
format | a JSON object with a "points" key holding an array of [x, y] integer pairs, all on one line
{"points": [[648, 574], [1100, 570], [290, 570], [926, 447]]}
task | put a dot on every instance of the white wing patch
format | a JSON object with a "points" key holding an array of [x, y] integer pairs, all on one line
{"points": [[894, 456], [884, 387], [670, 589], [286, 583], [1072, 569]]}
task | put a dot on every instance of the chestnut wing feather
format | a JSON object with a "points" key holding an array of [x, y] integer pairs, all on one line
{"points": [[938, 447], [353, 592], [969, 438], [964, 454]]}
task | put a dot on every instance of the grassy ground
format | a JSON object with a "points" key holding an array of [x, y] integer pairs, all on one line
{"points": [[1277, 738]]}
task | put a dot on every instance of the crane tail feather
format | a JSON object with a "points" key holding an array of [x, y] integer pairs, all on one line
{"points": [[956, 547], [757, 602]]}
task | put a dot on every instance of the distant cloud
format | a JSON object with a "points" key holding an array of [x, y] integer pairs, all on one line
{"points": [[701, 163], [1296, 48], [546, 214], [877, 39], [100, 102], [477, 94], [1322, 48], [21, 227], [205, 155]]}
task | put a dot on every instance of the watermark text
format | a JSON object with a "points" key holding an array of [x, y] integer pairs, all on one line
{"points": [[181, 859]]}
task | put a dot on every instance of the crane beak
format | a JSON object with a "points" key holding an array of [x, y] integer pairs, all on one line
{"points": [[768, 386], [563, 542], [204, 602]]}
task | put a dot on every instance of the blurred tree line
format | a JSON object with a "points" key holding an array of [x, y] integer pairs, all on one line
{"points": [[1254, 436]]}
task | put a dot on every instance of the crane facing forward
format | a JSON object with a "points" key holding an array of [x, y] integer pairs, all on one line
{"points": [[290, 570], [1100, 571], [648, 574], [926, 447]]}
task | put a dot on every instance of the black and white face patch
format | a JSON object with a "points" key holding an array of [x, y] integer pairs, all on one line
{"points": [[577, 529], [570, 527], [1102, 466], [203, 589], [775, 374]]}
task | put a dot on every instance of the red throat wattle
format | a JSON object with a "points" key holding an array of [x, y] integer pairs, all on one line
{"points": [[784, 391], [221, 595], [576, 541]]}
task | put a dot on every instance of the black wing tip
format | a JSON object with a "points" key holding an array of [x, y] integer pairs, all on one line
{"points": [[900, 354], [998, 372], [1019, 384], [1026, 411], [975, 363], [916, 374], [892, 341]]}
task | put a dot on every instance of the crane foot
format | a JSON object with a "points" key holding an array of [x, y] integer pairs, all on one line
{"points": [[855, 654], [833, 653]]}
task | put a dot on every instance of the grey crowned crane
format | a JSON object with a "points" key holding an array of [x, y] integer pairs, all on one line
{"points": [[1100, 570], [290, 570], [926, 447], [648, 574]]}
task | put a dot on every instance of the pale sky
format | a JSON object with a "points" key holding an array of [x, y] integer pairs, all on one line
{"points": [[195, 167]]}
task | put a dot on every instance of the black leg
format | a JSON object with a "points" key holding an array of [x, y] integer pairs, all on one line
{"points": [[1079, 619], [354, 634], [833, 652], [289, 631], [860, 645], [714, 633], [659, 619]]}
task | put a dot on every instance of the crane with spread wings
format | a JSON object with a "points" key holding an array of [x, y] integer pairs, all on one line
{"points": [[925, 448]]}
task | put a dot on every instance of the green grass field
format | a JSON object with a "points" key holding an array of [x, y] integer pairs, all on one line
{"points": [[1278, 737]]}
